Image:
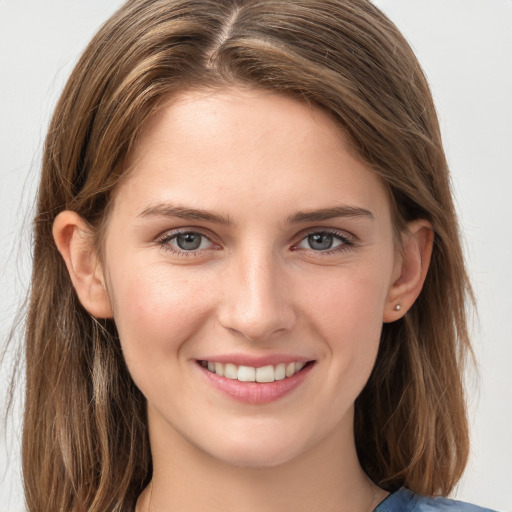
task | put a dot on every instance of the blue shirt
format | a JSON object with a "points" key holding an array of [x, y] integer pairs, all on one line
{"points": [[404, 500]]}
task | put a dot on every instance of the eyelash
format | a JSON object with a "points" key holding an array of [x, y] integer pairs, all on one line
{"points": [[164, 242], [347, 242]]}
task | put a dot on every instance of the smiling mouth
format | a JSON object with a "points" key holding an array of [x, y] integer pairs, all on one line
{"points": [[263, 374]]}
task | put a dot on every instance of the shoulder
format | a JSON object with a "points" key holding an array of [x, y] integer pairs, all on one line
{"points": [[404, 500]]}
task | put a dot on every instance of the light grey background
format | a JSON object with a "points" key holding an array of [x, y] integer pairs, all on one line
{"points": [[465, 47]]}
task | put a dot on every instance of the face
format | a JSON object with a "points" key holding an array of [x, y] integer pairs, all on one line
{"points": [[248, 260]]}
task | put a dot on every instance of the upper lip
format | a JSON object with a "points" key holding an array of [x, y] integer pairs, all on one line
{"points": [[255, 361]]}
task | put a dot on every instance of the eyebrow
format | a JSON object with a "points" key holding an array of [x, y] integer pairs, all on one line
{"points": [[170, 210], [330, 213]]}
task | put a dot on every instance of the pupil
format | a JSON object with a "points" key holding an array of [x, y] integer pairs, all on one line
{"points": [[320, 241], [188, 241]]}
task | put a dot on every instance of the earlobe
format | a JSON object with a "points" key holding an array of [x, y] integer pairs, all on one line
{"points": [[75, 242], [412, 268]]}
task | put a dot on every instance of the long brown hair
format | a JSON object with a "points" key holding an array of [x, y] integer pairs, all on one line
{"points": [[85, 440]]}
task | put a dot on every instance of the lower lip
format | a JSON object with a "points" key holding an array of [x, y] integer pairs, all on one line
{"points": [[256, 392]]}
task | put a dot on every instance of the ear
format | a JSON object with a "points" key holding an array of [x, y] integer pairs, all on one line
{"points": [[75, 242], [410, 269]]}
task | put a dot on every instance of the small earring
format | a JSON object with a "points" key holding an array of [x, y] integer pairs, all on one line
{"points": [[398, 307]]}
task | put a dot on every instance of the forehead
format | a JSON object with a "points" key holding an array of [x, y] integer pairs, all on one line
{"points": [[239, 148]]}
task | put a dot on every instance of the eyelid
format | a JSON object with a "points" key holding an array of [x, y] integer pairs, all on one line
{"points": [[164, 239], [342, 233], [348, 239]]}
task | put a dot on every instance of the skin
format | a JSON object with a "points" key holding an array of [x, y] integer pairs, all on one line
{"points": [[255, 286]]}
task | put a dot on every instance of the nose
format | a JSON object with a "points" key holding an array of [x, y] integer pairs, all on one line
{"points": [[257, 300]]}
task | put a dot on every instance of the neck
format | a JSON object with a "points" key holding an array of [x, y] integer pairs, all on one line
{"points": [[327, 477]]}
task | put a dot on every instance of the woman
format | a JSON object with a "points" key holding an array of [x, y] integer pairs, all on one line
{"points": [[248, 286]]}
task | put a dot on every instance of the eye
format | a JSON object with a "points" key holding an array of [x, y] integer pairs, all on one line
{"points": [[324, 241], [186, 241]]}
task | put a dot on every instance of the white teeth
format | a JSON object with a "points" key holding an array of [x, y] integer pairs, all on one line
{"points": [[246, 373], [230, 371], [267, 373], [280, 371], [219, 369]]}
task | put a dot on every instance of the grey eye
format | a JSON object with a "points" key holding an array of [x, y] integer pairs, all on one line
{"points": [[189, 241], [322, 241]]}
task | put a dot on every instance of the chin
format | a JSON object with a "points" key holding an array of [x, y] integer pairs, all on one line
{"points": [[257, 460], [260, 453]]}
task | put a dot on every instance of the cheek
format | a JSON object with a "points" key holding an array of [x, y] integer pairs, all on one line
{"points": [[347, 315], [347, 300], [156, 310]]}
